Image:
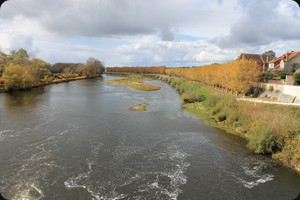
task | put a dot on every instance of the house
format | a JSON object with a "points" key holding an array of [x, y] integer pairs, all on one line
{"points": [[262, 60], [288, 62]]}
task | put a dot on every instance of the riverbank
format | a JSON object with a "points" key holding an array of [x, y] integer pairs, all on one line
{"points": [[269, 129], [62, 78]]}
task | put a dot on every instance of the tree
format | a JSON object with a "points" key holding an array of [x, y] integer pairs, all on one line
{"points": [[14, 77], [20, 57], [93, 67], [36, 71], [3, 60]]}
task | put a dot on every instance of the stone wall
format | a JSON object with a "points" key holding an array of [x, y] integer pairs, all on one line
{"points": [[283, 93]]}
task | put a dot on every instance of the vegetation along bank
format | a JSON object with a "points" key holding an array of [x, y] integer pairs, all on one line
{"points": [[19, 72], [210, 93], [269, 129]]}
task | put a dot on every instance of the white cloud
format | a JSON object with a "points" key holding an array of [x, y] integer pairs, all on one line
{"points": [[262, 23], [157, 32]]}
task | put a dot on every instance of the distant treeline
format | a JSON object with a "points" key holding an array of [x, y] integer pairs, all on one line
{"points": [[236, 76], [19, 71], [144, 70]]}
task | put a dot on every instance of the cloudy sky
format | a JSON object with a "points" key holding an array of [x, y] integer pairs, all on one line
{"points": [[149, 32]]}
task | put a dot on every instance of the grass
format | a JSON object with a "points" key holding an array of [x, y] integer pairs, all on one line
{"points": [[135, 82], [269, 129]]}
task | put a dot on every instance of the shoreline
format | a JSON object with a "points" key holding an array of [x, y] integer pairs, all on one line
{"points": [[56, 81], [218, 116]]}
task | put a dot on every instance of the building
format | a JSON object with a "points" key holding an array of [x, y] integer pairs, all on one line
{"points": [[288, 62], [262, 60]]}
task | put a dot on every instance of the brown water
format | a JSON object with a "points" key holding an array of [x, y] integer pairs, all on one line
{"points": [[79, 140]]}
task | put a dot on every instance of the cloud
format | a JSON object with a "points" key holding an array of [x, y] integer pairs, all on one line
{"points": [[262, 23], [143, 32], [119, 18], [104, 18], [173, 53]]}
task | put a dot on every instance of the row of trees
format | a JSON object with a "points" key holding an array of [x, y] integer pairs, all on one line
{"points": [[145, 70], [236, 76], [91, 68], [21, 72]]}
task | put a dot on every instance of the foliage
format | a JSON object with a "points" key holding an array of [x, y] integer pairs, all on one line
{"points": [[271, 88], [14, 77], [269, 129], [19, 57], [262, 140], [266, 76], [3, 61], [21, 72], [93, 67], [144, 70], [237, 76], [296, 77]]}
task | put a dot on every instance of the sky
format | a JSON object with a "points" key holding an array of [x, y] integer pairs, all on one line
{"points": [[174, 33]]}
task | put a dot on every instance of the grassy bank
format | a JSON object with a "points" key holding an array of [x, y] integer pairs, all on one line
{"points": [[135, 82], [53, 79], [269, 129]]}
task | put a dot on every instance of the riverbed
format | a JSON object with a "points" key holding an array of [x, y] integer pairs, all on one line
{"points": [[79, 140]]}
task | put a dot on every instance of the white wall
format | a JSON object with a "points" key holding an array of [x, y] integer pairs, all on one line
{"points": [[290, 90]]}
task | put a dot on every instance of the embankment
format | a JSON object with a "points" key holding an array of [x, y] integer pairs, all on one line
{"points": [[282, 93], [50, 80], [269, 129]]}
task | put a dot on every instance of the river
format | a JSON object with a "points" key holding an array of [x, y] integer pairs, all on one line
{"points": [[79, 140]]}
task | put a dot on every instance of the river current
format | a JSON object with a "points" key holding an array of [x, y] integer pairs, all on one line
{"points": [[79, 140]]}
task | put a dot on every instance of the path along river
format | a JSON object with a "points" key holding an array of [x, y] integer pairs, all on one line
{"points": [[79, 140]]}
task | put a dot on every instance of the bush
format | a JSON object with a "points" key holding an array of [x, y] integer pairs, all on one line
{"points": [[282, 75], [271, 88], [221, 117], [267, 76], [192, 96], [296, 77], [262, 140], [211, 101]]}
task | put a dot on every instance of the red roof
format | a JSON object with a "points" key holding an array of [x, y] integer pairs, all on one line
{"points": [[289, 56]]}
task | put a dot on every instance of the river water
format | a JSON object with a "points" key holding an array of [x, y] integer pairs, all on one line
{"points": [[79, 140]]}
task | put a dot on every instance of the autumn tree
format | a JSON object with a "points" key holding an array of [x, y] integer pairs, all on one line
{"points": [[19, 57], [36, 71], [14, 77], [3, 60], [93, 67]]}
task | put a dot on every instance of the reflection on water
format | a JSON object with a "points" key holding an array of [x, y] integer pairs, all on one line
{"points": [[22, 99], [80, 141]]}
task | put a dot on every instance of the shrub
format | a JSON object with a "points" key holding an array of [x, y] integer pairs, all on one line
{"points": [[296, 77], [282, 75], [221, 117], [211, 101], [271, 88], [192, 96], [262, 140]]}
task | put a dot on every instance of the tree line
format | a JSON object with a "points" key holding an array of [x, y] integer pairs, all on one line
{"points": [[235, 76], [144, 70], [19, 71]]}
